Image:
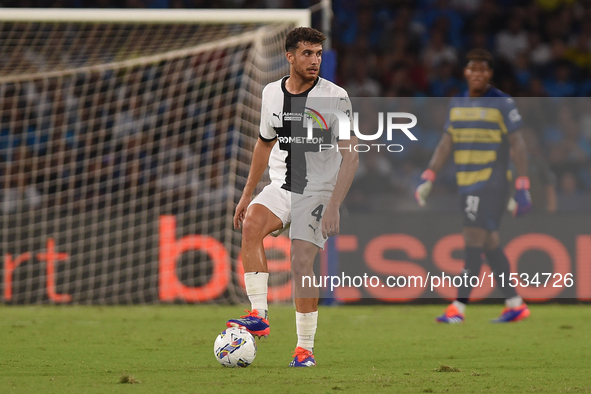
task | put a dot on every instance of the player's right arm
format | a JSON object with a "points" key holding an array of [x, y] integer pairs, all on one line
{"points": [[260, 161], [437, 162]]}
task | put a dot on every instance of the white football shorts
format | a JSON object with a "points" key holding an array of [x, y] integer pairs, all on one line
{"points": [[302, 214]]}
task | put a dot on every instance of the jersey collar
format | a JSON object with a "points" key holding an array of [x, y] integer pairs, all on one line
{"points": [[488, 93], [303, 94]]}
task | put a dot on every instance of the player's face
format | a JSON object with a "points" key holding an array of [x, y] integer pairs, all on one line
{"points": [[478, 74], [305, 62]]}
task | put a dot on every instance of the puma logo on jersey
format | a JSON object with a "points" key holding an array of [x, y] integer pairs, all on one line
{"points": [[277, 115], [309, 225]]}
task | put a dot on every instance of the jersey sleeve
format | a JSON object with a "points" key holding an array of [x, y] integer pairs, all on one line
{"points": [[511, 115], [266, 132], [343, 105]]}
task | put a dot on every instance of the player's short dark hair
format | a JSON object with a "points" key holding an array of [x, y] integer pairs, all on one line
{"points": [[303, 34], [480, 55]]}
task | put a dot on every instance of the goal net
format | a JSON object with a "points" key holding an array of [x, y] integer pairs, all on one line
{"points": [[125, 142]]}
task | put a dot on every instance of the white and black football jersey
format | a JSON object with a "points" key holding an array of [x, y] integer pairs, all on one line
{"points": [[298, 163]]}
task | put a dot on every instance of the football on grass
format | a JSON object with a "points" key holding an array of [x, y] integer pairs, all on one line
{"points": [[235, 347]]}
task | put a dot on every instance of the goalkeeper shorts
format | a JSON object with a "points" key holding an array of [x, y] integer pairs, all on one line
{"points": [[483, 208]]}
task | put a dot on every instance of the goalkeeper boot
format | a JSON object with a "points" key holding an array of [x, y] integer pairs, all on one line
{"points": [[302, 358], [510, 315], [451, 315], [252, 322]]}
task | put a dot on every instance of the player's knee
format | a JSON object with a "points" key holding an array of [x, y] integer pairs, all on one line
{"points": [[475, 237], [301, 267], [252, 229], [492, 241], [301, 272]]}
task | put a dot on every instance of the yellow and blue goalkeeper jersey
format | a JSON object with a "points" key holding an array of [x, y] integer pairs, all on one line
{"points": [[479, 127]]}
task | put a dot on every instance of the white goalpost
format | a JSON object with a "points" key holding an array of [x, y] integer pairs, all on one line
{"points": [[125, 142]]}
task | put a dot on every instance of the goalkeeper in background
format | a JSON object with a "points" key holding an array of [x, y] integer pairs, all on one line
{"points": [[482, 126], [307, 186]]}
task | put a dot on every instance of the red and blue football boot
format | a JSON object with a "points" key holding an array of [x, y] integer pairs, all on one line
{"points": [[510, 315], [451, 315], [252, 322], [302, 358]]}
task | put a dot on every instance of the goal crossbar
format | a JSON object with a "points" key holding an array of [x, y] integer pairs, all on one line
{"points": [[300, 17], [235, 40]]}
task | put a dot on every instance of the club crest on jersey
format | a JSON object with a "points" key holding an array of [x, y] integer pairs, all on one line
{"points": [[317, 118]]}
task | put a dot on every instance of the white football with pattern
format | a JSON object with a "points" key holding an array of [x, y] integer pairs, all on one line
{"points": [[235, 347]]}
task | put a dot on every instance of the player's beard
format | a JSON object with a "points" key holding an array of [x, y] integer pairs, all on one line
{"points": [[302, 73]]}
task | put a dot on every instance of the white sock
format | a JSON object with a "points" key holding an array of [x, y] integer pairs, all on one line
{"points": [[513, 302], [306, 328], [256, 289], [460, 305]]}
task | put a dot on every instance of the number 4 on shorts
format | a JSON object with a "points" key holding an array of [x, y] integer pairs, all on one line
{"points": [[317, 212]]}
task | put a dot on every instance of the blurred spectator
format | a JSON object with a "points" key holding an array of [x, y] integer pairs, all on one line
{"points": [[569, 197], [129, 120], [536, 88], [402, 26], [440, 16], [466, 6], [444, 83], [489, 18], [569, 150], [18, 191], [560, 84], [579, 52], [512, 40], [346, 20], [523, 72], [539, 52], [361, 84], [437, 52], [178, 179]]}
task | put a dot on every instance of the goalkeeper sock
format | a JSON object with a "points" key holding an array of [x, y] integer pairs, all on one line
{"points": [[500, 265], [472, 267], [306, 328], [256, 289]]}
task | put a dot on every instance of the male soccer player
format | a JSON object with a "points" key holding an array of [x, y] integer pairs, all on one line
{"points": [[483, 124], [307, 185]]}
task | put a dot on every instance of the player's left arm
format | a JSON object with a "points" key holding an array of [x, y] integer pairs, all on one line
{"points": [[331, 218], [521, 197], [519, 153]]}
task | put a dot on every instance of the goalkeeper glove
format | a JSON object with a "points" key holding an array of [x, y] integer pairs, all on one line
{"points": [[424, 188], [521, 203]]}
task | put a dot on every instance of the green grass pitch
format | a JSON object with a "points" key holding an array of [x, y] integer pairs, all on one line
{"points": [[363, 349]]}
